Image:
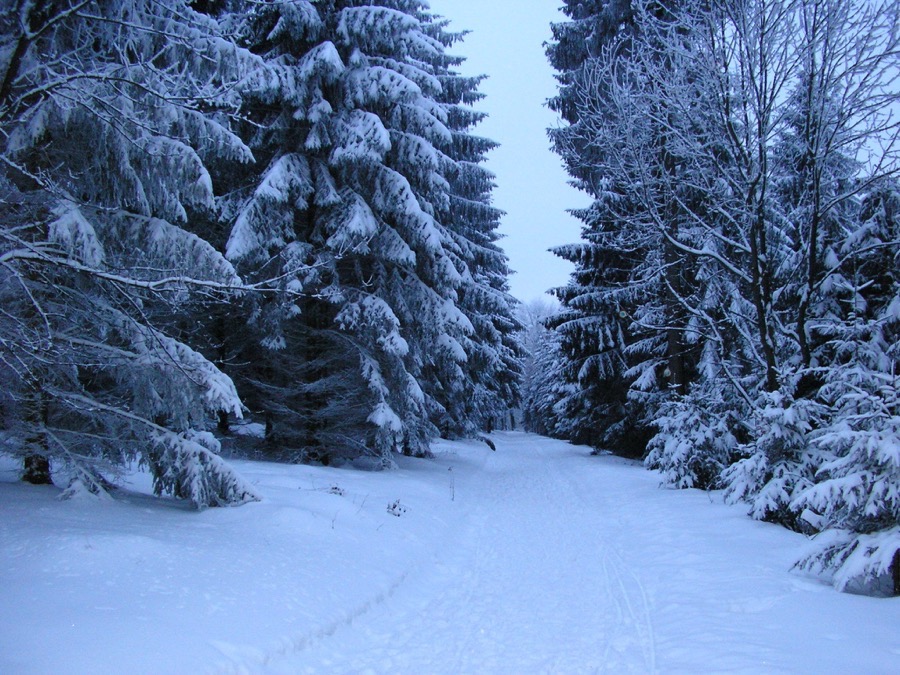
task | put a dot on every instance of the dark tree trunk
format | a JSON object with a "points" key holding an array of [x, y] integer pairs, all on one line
{"points": [[675, 355], [36, 467], [895, 570], [674, 272], [36, 470], [223, 423], [761, 294]]}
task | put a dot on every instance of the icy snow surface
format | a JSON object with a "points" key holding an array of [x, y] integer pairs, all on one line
{"points": [[535, 559]]}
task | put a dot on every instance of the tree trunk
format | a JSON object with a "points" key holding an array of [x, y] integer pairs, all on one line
{"points": [[673, 272], [36, 470], [761, 294], [15, 60], [675, 354], [895, 570], [36, 466], [674, 342]]}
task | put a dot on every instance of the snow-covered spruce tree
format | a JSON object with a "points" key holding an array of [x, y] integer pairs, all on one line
{"points": [[479, 394], [595, 329], [856, 499], [357, 122], [110, 112], [599, 302], [644, 114]]}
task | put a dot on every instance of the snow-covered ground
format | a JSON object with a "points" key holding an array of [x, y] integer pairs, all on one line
{"points": [[536, 558]]}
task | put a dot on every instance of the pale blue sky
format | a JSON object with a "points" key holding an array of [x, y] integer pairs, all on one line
{"points": [[506, 43]]}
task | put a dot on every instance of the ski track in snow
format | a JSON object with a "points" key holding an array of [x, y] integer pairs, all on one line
{"points": [[536, 558], [515, 595], [561, 571]]}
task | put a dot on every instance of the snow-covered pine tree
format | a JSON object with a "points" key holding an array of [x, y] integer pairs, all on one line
{"points": [[595, 328], [111, 112], [355, 118]]}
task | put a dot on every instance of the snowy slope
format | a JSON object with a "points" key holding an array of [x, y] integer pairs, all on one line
{"points": [[536, 558]]}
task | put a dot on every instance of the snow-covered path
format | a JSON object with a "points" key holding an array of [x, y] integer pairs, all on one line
{"points": [[536, 558], [529, 586], [573, 564]]}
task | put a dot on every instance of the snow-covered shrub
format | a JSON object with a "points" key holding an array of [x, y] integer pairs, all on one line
{"points": [[694, 442], [857, 493], [779, 463], [187, 466]]}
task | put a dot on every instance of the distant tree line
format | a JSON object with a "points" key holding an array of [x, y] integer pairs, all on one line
{"points": [[228, 208], [734, 314]]}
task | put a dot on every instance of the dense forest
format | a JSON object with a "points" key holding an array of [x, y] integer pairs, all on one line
{"points": [[734, 315], [217, 212]]}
